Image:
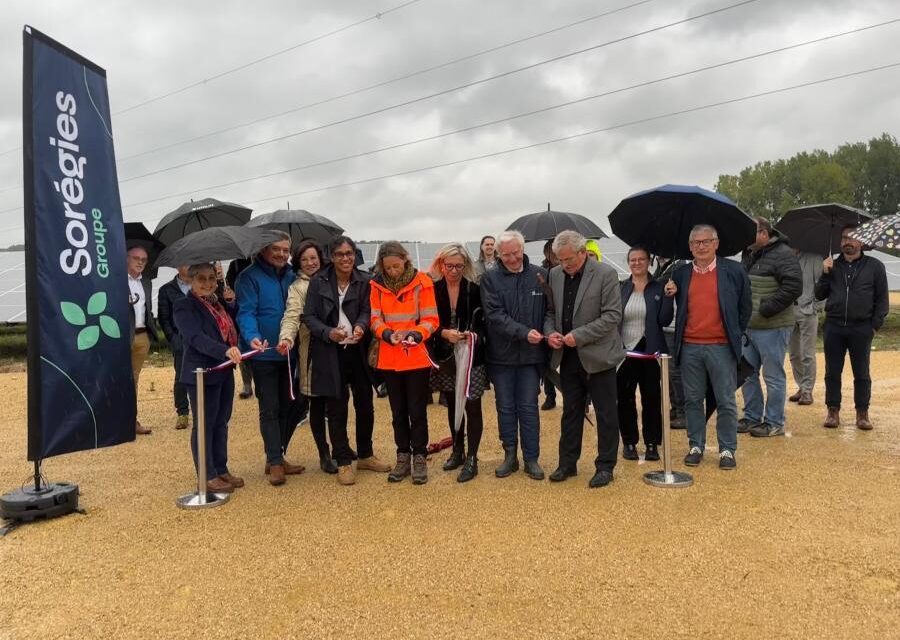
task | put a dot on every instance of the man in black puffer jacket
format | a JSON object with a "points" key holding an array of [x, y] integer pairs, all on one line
{"points": [[855, 287], [775, 282]]}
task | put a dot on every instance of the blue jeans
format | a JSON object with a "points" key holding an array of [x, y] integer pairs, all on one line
{"points": [[766, 350], [516, 392], [715, 363]]}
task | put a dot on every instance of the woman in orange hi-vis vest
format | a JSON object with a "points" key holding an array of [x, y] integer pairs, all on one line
{"points": [[404, 315]]}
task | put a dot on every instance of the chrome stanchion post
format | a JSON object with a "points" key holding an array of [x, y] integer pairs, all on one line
{"points": [[667, 477], [202, 498]]}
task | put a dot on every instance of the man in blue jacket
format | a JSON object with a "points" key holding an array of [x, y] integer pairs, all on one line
{"points": [[714, 308], [513, 299], [262, 290]]}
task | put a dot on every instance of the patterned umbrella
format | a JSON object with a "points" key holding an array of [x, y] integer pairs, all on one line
{"points": [[881, 233]]}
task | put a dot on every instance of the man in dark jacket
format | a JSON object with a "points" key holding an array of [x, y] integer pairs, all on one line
{"points": [[514, 304], [174, 290], [713, 311], [856, 293], [775, 283]]}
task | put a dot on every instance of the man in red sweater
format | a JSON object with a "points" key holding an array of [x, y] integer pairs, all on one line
{"points": [[714, 306]]}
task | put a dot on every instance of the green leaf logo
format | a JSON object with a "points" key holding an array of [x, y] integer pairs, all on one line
{"points": [[90, 334]]}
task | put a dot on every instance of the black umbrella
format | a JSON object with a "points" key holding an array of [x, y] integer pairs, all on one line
{"points": [[137, 235], [202, 214], [881, 233], [544, 225], [300, 224], [661, 219], [216, 243], [817, 228]]}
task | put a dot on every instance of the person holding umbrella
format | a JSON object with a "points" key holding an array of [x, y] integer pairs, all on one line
{"points": [[306, 262], [336, 316], [459, 310], [855, 289], [262, 290], [403, 317], [208, 336], [487, 257]]}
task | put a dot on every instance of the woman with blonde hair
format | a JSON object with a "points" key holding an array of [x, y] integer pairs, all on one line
{"points": [[459, 310], [403, 317]]}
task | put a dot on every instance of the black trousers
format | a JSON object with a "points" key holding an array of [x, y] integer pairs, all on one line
{"points": [[276, 409], [857, 340], [576, 386], [353, 379], [179, 390], [643, 374], [472, 424], [408, 393]]}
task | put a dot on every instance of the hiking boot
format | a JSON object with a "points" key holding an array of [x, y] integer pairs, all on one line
{"points": [[510, 463], [766, 430], [183, 422], [862, 420], [419, 469], [796, 397], [833, 421], [693, 458], [651, 452], [372, 463], [345, 475], [469, 470], [401, 469], [533, 470], [744, 425], [456, 459], [805, 398], [549, 403], [726, 460], [629, 452]]}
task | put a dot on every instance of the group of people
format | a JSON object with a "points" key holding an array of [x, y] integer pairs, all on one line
{"points": [[324, 330]]}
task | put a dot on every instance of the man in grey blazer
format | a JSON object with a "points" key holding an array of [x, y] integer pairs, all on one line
{"points": [[582, 328]]}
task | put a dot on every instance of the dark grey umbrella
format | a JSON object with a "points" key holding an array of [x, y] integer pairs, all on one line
{"points": [[544, 225], [216, 243], [202, 214], [137, 235], [817, 228], [300, 224], [882, 234]]}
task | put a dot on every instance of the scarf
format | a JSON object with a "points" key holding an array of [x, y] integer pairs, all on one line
{"points": [[223, 320], [395, 284]]}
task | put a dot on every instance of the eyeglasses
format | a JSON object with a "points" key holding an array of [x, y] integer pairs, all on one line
{"points": [[703, 243], [454, 267], [340, 255], [137, 259]]}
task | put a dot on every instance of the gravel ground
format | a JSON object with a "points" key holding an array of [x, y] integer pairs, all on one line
{"points": [[802, 541]]}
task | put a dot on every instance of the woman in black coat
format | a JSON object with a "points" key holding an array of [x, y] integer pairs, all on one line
{"points": [[646, 309], [459, 309], [209, 337]]}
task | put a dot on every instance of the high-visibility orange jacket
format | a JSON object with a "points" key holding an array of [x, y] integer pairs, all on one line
{"points": [[411, 309]]}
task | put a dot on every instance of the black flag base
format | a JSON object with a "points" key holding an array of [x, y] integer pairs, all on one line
{"points": [[30, 504]]}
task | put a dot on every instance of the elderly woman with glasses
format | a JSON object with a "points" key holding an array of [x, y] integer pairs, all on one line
{"points": [[459, 310]]}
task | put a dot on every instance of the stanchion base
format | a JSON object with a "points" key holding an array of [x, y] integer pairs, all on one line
{"points": [[50, 501], [676, 479], [198, 501]]}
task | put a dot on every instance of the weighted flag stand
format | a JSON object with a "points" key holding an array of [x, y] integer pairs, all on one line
{"points": [[202, 498], [667, 477]]}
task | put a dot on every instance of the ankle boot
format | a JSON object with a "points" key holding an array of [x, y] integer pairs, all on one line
{"points": [[510, 462], [419, 469], [456, 458], [862, 420], [327, 464], [401, 469], [833, 421], [469, 470]]}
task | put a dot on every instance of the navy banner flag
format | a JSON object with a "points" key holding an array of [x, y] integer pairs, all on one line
{"points": [[80, 388]]}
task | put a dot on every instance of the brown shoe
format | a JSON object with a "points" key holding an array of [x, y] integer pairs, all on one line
{"points": [[183, 422], [401, 469], [217, 485], [833, 421], [234, 481], [140, 430], [796, 396], [805, 398], [293, 469], [419, 469], [345, 475], [862, 420], [276, 474], [372, 463]]}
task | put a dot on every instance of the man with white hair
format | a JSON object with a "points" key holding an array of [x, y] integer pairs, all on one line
{"points": [[514, 304], [582, 328], [142, 321]]}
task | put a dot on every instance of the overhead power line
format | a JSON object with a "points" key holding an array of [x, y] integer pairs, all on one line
{"points": [[438, 93], [385, 83]]}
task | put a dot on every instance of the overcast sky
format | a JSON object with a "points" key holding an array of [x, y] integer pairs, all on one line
{"points": [[151, 49]]}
